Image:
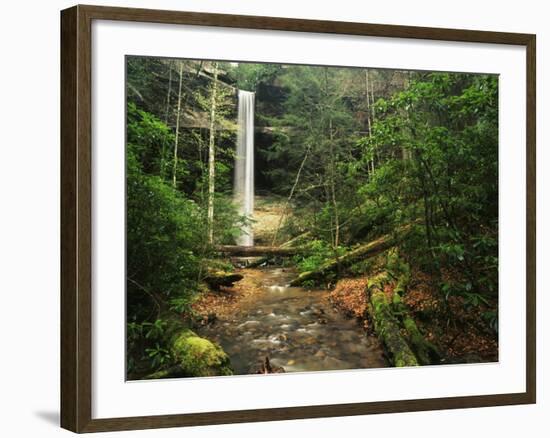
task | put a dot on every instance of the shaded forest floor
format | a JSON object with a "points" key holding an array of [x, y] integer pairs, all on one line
{"points": [[459, 332]]}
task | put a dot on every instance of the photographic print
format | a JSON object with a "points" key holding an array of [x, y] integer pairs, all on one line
{"points": [[297, 218]]}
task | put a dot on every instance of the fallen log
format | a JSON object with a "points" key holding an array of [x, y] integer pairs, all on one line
{"points": [[216, 279], [386, 324], [370, 249], [251, 251], [287, 244], [426, 352]]}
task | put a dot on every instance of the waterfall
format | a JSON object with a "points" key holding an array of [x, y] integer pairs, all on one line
{"points": [[244, 164]]}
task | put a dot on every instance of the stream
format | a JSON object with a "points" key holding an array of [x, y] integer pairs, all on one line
{"points": [[296, 328]]}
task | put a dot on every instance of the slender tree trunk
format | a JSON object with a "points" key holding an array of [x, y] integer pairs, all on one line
{"points": [[163, 154], [211, 155], [178, 114], [406, 154], [362, 252], [333, 188], [367, 97], [332, 176], [369, 118], [373, 120], [169, 92], [372, 100], [287, 203], [329, 207]]}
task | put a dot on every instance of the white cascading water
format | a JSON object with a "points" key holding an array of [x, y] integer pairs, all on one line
{"points": [[244, 164]]}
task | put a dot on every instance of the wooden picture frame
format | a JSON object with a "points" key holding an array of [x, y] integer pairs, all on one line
{"points": [[76, 218]]}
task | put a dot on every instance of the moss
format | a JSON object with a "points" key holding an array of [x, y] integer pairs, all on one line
{"points": [[378, 281], [387, 327], [198, 357], [396, 300], [425, 350], [399, 269], [406, 347], [369, 250]]}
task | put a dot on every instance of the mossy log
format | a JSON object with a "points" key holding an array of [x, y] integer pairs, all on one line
{"points": [[216, 279], [193, 356], [370, 249], [426, 352], [386, 325]]}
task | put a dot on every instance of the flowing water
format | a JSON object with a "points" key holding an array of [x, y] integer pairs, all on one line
{"points": [[244, 164], [296, 328]]}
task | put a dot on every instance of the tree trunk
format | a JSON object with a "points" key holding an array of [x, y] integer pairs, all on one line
{"points": [[211, 156], [331, 168], [291, 243], [290, 197], [333, 188], [367, 98], [386, 325], [369, 118], [425, 351], [169, 92], [251, 251], [370, 249], [216, 279], [163, 153], [373, 115], [175, 167]]}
